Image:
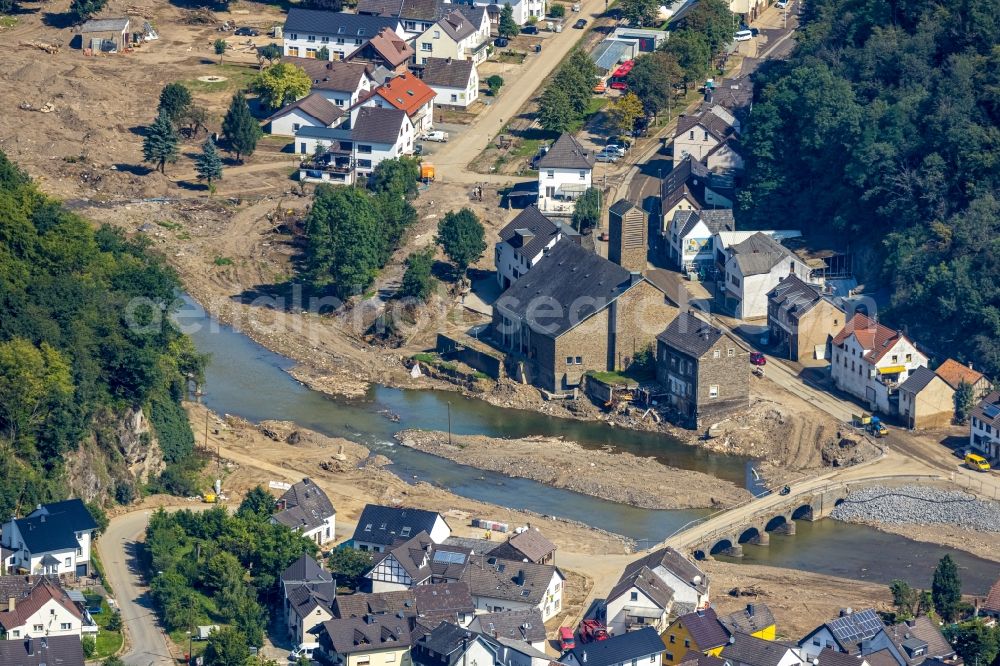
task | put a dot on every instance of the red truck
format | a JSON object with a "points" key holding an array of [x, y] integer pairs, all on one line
{"points": [[592, 630]]}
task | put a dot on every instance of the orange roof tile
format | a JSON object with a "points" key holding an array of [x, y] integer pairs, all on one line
{"points": [[992, 602], [42, 592], [873, 336], [406, 92], [955, 373]]}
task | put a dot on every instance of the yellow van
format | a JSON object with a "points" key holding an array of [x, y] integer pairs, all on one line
{"points": [[973, 461]]}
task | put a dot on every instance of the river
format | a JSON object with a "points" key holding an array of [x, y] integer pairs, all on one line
{"points": [[247, 380]]}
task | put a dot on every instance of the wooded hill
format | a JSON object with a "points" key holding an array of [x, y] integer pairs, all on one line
{"points": [[882, 128], [84, 339]]}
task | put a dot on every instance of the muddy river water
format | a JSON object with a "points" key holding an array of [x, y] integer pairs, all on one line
{"points": [[247, 380]]}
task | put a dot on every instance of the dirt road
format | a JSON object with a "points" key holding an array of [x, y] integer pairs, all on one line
{"points": [[118, 551]]}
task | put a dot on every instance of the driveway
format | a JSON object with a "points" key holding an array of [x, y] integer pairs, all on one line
{"points": [[118, 548]]}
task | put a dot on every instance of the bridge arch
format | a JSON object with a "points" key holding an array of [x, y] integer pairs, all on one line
{"points": [[804, 512], [749, 534], [840, 500], [721, 546], [775, 523], [699, 554]]}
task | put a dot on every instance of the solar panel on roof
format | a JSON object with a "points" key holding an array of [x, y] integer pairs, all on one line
{"points": [[991, 411], [449, 557]]}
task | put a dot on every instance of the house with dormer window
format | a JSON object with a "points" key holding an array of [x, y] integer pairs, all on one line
{"points": [[52, 540], [308, 31], [382, 526]]}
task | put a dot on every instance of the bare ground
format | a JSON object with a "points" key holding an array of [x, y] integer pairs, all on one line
{"points": [[607, 474]]}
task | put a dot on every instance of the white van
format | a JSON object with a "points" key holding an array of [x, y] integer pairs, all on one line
{"points": [[744, 35], [303, 650]]}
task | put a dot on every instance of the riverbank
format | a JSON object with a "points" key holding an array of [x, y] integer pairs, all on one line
{"points": [[605, 473]]}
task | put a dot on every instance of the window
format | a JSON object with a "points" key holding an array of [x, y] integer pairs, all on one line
{"points": [[569, 360], [68, 562], [325, 40], [634, 596], [670, 657], [404, 532], [691, 135], [292, 35], [39, 627], [295, 127], [717, 353], [909, 357], [65, 626], [579, 360], [706, 136], [454, 98], [437, 34], [652, 658], [311, 38], [550, 174], [338, 102], [687, 643], [425, 46], [713, 391], [366, 150], [364, 164], [731, 352], [293, 51], [340, 40], [895, 358], [583, 175], [673, 639], [357, 42], [635, 662], [389, 658]]}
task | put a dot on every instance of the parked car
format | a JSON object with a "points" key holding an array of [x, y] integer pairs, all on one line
{"points": [[781, 4], [529, 30], [758, 358], [501, 42], [576, 6], [580, 24], [247, 32], [566, 639], [607, 156], [615, 149], [436, 135], [743, 35], [976, 462]]}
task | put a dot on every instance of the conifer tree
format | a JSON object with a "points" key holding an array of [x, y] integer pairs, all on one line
{"points": [[160, 144], [209, 164], [240, 128]]}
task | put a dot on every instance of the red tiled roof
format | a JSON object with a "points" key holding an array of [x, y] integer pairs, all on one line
{"points": [[992, 602], [387, 44], [406, 92], [955, 373], [873, 336], [40, 594]]}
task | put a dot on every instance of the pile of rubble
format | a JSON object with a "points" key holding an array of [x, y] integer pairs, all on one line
{"points": [[919, 505]]}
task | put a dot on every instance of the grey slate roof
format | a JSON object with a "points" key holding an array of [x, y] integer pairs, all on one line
{"points": [[305, 570], [444, 640], [335, 75], [713, 124], [618, 649], [392, 602], [421, 558], [304, 506], [755, 617], [567, 276], [378, 124], [674, 562], [385, 525], [918, 380], [530, 544], [305, 598], [693, 658], [794, 296], [320, 22], [928, 632], [567, 153], [447, 72], [715, 220], [988, 409], [689, 177], [758, 254], [747, 650], [52, 527], [457, 25], [648, 583], [520, 625], [705, 629], [496, 578], [828, 657], [530, 219], [364, 634], [444, 598], [42, 651], [315, 105], [690, 335], [105, 25], [420, 10]]}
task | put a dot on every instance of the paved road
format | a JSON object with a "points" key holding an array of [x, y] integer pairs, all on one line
{"points": [[451, 160], [118, 551]]}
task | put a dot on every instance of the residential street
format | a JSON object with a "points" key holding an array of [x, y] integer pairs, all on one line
{"points": [[117, 548]]}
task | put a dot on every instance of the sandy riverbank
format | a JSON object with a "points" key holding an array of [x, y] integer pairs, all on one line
{"points": [[612, 475]]}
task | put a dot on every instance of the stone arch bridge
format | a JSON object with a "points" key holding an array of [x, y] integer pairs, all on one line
{"points": [[726, 532]]}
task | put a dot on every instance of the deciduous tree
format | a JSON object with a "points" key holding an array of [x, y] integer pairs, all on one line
{"points": [[344, 244], [220, 46], [639, 12], [32, 380], [625, 111], [964, 398], [160, 144], [494, 83], [257, 503], [975, 642], [348, 565], [555, 110], [587, 210], [81, 10], [693, 53], [280, 84], [227, 647], [418, 282], [652, 79], [461, 236], [904, 598], [269, 52]]}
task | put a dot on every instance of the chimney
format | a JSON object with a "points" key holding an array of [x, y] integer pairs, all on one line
{"points": [[971, 366], [520, 577], [751, 609], [11, 604], [911, 622], [585, 656], [634, 277]]}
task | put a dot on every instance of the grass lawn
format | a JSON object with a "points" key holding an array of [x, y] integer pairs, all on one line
{"points": [[528, 148], [8, 21], [612, 378], [108, 642], [237, 78], [594, 106]]}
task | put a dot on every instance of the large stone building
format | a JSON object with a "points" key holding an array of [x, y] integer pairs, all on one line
{"points": [[575, 312], [706, 373], [801, 321]]}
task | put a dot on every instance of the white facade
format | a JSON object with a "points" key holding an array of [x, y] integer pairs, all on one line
{"points": [[51, 619], [364, 155], [422, 118], [511, 265], [291, 122], [694, 247], [984, 438], [300, 44], [550, 604], [522, 9], [56, 562], [684, 591], [435, 42], [438, 533], [461, 97], [623, 611], [559, 188], [873, 383], [323, 534], [751, 291], [652, 660], [344, 99], [299, 626], [696, 142]]}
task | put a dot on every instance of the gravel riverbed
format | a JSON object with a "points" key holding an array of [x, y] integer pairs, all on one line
{"points": [[919, 505]]}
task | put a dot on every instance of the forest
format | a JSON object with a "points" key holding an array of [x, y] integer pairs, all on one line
{"points": [[881, 131], [84, 337]]}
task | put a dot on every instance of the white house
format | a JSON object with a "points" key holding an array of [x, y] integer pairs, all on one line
{"points": [[375, 134], [414, 16], [461, 34], [308, 31], [746, 650], [984, 431], [635, 648], [53, 539], [870, 360], [498, 585], [753, 268], [448, 643], [309, 592], [690, 186], [857, 633], [688, 583], [37, 606], [565, 172], [522, 9], [638, 600], [689, 237], [409, 94], [523, 243], [380, 526], [454, 82], [340, 83], [701, 134], [313, 110], [305, 508], [418, 561]]}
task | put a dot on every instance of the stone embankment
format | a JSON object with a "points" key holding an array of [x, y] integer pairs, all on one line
{"points": [[919, 505]]}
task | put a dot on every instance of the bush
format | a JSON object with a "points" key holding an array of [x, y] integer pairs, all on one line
{"points": [[115, 622], [89, 646], [494, 83], [417, 280], [557, 10]]}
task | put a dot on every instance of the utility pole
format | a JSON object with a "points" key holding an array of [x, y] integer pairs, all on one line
{"points": [[449, 423]]}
